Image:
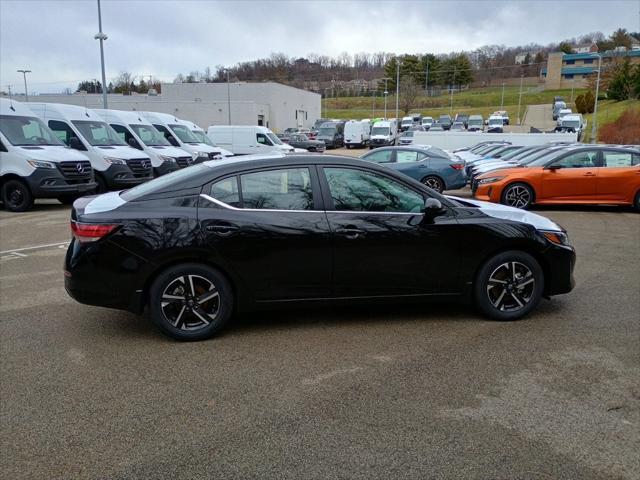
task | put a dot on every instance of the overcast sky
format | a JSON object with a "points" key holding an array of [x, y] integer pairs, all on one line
{"points": [[54, 38]]}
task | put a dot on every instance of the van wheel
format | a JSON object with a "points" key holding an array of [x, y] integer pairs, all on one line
{"points": [[102, 184], [16, 196]]}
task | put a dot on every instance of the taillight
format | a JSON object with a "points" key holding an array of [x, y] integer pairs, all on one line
{"points": [[90, 232], [457, 166]]}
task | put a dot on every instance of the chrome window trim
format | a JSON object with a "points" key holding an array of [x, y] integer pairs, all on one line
{"points": [[231, 207]]}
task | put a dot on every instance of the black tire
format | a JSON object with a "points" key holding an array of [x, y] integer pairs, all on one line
{"points": [[16, 196], [433, 182], [182, 317], [102, 184], [636, 202], [501, 295], [518, 195]]}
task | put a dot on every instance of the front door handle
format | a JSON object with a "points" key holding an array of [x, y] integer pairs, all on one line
{"points": [[350, 232], [222, 230], [589, 174]]}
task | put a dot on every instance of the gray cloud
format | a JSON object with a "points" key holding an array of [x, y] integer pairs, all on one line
{"points": [[54, 38]]}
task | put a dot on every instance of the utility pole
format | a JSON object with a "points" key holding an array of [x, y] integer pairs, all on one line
{"points": [[594, 121], [24, 76], [502, 99], [397, 87], [102, 37], [520, 96], [426, 80], [453, 82], [373, 106], [386, 93], [228, 96]]}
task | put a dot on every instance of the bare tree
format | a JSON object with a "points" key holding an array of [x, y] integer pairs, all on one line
{"points": [[409, 92]]}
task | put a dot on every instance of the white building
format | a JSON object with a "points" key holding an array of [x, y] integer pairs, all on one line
{"points": [[268, 104]]}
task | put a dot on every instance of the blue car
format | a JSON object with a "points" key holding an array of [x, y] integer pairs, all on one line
{"points": [[427, 164]]}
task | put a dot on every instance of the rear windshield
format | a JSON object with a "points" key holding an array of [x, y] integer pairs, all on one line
{"points": [[164, 182]]}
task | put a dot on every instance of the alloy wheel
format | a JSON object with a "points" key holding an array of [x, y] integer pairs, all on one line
{"points": [[517, 196], [434, 183], [511, 286], [190, 302]]}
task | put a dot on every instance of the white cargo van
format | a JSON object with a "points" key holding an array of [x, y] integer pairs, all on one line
{"points": [[116, 164], [202, 137], [138, 133], [406, 124], [384, 133], [35, 164], [357, 133], [180, 135], [244, 140]]}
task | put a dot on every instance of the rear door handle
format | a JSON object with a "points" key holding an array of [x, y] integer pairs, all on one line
{"points": [[222, 230], [351, 232], [589, 174]]}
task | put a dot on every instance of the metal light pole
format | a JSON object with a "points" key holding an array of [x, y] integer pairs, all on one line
{"points": [[373, 106], [386, 93], [24, 76], [502, 99], [594, 127], [453, 82], [397, 87], [102, 37], [426, 80], [520, 97], [228, 96]]}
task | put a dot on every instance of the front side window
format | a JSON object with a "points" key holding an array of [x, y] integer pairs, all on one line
{"points": [[22, 131], [122, 132], [380, 156], [358, 190], [618, 159], [202, 137], [226, 191], [286, 189], [584, 159], [62, 131], [149, 135], [97, 133], [183, 133], [262, 139]]}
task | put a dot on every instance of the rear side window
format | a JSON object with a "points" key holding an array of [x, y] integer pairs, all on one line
{"points": [[404, 156], [619, 159], [380, 156], [227, 191], [286, 189]]}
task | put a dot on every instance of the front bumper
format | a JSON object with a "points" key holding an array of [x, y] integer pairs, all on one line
{"points": [[164, 168], [489, 192], [119, 177], [559, 262], [50, 183]]}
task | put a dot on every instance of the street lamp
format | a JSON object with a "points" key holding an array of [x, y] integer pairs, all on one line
{"points": [[397, 86], [102, 37], [502, 99], [228, 96], [24, 76], [386, 93], [594, 127]]}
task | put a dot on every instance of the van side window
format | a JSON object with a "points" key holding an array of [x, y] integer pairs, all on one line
{"points": [[2, 147], [62, 131], [125, 134], [262, 139]]}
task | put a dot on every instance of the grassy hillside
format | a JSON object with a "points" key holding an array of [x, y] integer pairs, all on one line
{"points": [[609, 111]]}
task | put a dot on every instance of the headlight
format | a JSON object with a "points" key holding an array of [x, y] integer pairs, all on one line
{"points": [[164, 158], [197, 155], [559, 238], [115, 161], [489, 180], [40, 164]]}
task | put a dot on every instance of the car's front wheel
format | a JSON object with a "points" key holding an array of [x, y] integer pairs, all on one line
{"points": [[509, 285], [434, 183], [518, 195], [190, 301]]}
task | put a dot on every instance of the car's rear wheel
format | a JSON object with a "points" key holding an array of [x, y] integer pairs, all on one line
{"points": [[636, 202], [434, 183], [190, 301], [509, 285], [518, 195], [16, 196]]}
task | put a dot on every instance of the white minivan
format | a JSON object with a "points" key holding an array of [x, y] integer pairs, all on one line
{"points": [[140, 134], [245, 140], [116, 165], [180, 135], [384, 133], [35, 164], [357, 133]]}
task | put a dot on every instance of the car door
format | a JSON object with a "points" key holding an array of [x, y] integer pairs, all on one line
{"points": [[619, 176], [383, 244], [270, 229], [571, 177]]}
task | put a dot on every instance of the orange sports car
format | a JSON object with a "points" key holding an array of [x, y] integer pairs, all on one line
{"points": [[589, 174]]}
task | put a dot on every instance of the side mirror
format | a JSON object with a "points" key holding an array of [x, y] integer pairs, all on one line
{"points": [[76, 144], [133, 144], [553, 168], [432, 205]]}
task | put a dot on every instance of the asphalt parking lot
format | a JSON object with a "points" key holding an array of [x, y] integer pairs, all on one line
{"points": [[427, 391]]}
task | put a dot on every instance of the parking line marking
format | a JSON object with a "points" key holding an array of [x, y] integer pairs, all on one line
{"points": [[36, 247]]}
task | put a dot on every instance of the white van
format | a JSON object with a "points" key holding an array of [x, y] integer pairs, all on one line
{"points": [[116, 165], [384, 133], [357, 133], [202, 137], [406, 124], [244, 140], [180, 135], [35, 164], [138, 133]]}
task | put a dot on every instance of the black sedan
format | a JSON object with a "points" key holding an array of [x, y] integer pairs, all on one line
{"points": [[301, 140], [199, 244]]}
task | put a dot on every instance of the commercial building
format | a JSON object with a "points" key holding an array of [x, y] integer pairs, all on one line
{"points": [[572, 70], [267, 104]]}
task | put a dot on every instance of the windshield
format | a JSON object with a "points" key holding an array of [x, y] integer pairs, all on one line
{"points": [[437, 152], [571, 123], [149, 135], [183, 133], [164, 181], [544, 159], [202, 137], [495, 121], [407, 122], [408, 133], [98, 133], [475, 121], [427, 120], [22, 131], [327, 131], [513, 153], [380, 131], [275, 140]]}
